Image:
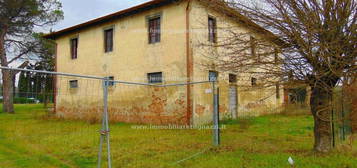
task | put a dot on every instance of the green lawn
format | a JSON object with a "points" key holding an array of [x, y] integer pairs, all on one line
{"points": [[28, 139]]}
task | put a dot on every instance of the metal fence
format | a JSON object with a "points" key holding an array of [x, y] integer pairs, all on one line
{"points": [[58, 115], [341, 115]]}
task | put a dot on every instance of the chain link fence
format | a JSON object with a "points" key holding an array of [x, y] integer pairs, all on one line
{"points": [[343, 114], [58, 116]]}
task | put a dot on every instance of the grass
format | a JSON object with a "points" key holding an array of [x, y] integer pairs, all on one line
{"points": [[28, 139]]}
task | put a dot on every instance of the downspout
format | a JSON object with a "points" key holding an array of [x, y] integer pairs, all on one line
{"points": [[189, 61], [55, 83]]}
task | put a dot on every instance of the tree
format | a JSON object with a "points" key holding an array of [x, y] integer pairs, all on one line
{"points": [[314, 44], [18, 43], [38, 83], [44, 82], [23, 84]]}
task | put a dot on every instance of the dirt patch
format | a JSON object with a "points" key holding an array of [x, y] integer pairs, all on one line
{"points": [[200, 110]]}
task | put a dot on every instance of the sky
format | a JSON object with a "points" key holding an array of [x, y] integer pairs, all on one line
{"points": [[79, 11]]}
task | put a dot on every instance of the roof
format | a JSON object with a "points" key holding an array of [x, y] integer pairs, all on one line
{"points": [[157, 3], [221, 7], [126, 12]]}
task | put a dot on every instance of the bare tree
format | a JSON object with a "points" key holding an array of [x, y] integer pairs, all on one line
{"points": [[18, 21], [312, 42]]}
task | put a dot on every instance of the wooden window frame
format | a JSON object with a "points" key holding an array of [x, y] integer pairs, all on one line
{"points": [[212, 29], [154, 80], [74, 49], [108, 41], [154, 29]]}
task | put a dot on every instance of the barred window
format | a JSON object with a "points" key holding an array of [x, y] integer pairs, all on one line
{"points": [[254, 81], [213, 76], [155, 77], [73, 84], [111, 80], [154, 30]]}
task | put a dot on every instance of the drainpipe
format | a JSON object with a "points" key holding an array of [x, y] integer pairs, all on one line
{"points": [[55, 83], [189, 61]]}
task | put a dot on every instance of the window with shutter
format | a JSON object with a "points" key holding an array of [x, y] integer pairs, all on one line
{"points": [[108, 40], [254, 81], [74, 48], [212, 30], [276, 55], [253, 46], [277, 87], [154, 30]]}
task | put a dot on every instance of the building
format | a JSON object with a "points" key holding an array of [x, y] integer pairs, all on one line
{"points": [[297, 94], [156, 42]]}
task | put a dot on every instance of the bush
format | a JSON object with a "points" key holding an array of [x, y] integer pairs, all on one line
{"points": [[22, 100], [296, 109]]}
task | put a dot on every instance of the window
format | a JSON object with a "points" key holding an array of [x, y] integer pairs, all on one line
{"points": [[155, 77], [212, 30], [277, 91], [108, 40], [232, 78], [254, 81], [154, 30], [276, 55], [111, 80], [74, 48], [73, 84], [253, 46], [213, 76]]}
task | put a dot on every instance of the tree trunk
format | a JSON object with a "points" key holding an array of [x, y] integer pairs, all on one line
{"points": [[8, 104], [321, 109], [7, 77]]}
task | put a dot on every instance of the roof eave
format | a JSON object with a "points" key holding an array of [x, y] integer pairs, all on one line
{"points": [[104, 19]]}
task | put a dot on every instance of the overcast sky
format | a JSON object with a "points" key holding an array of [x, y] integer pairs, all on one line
{"points": [[79, 11]]}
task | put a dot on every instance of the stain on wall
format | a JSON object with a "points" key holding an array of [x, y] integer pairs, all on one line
{"points": [[160, 106]]}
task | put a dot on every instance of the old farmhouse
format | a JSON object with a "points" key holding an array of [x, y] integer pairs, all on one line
{"points": [[155, 42]]}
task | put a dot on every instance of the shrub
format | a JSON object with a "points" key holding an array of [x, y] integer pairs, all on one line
{"points": [[21, 100], [296, 109]]}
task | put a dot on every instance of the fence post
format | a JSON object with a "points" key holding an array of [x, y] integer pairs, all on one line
{"points": [[216, 131], [343, 116], [105, 132]]}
